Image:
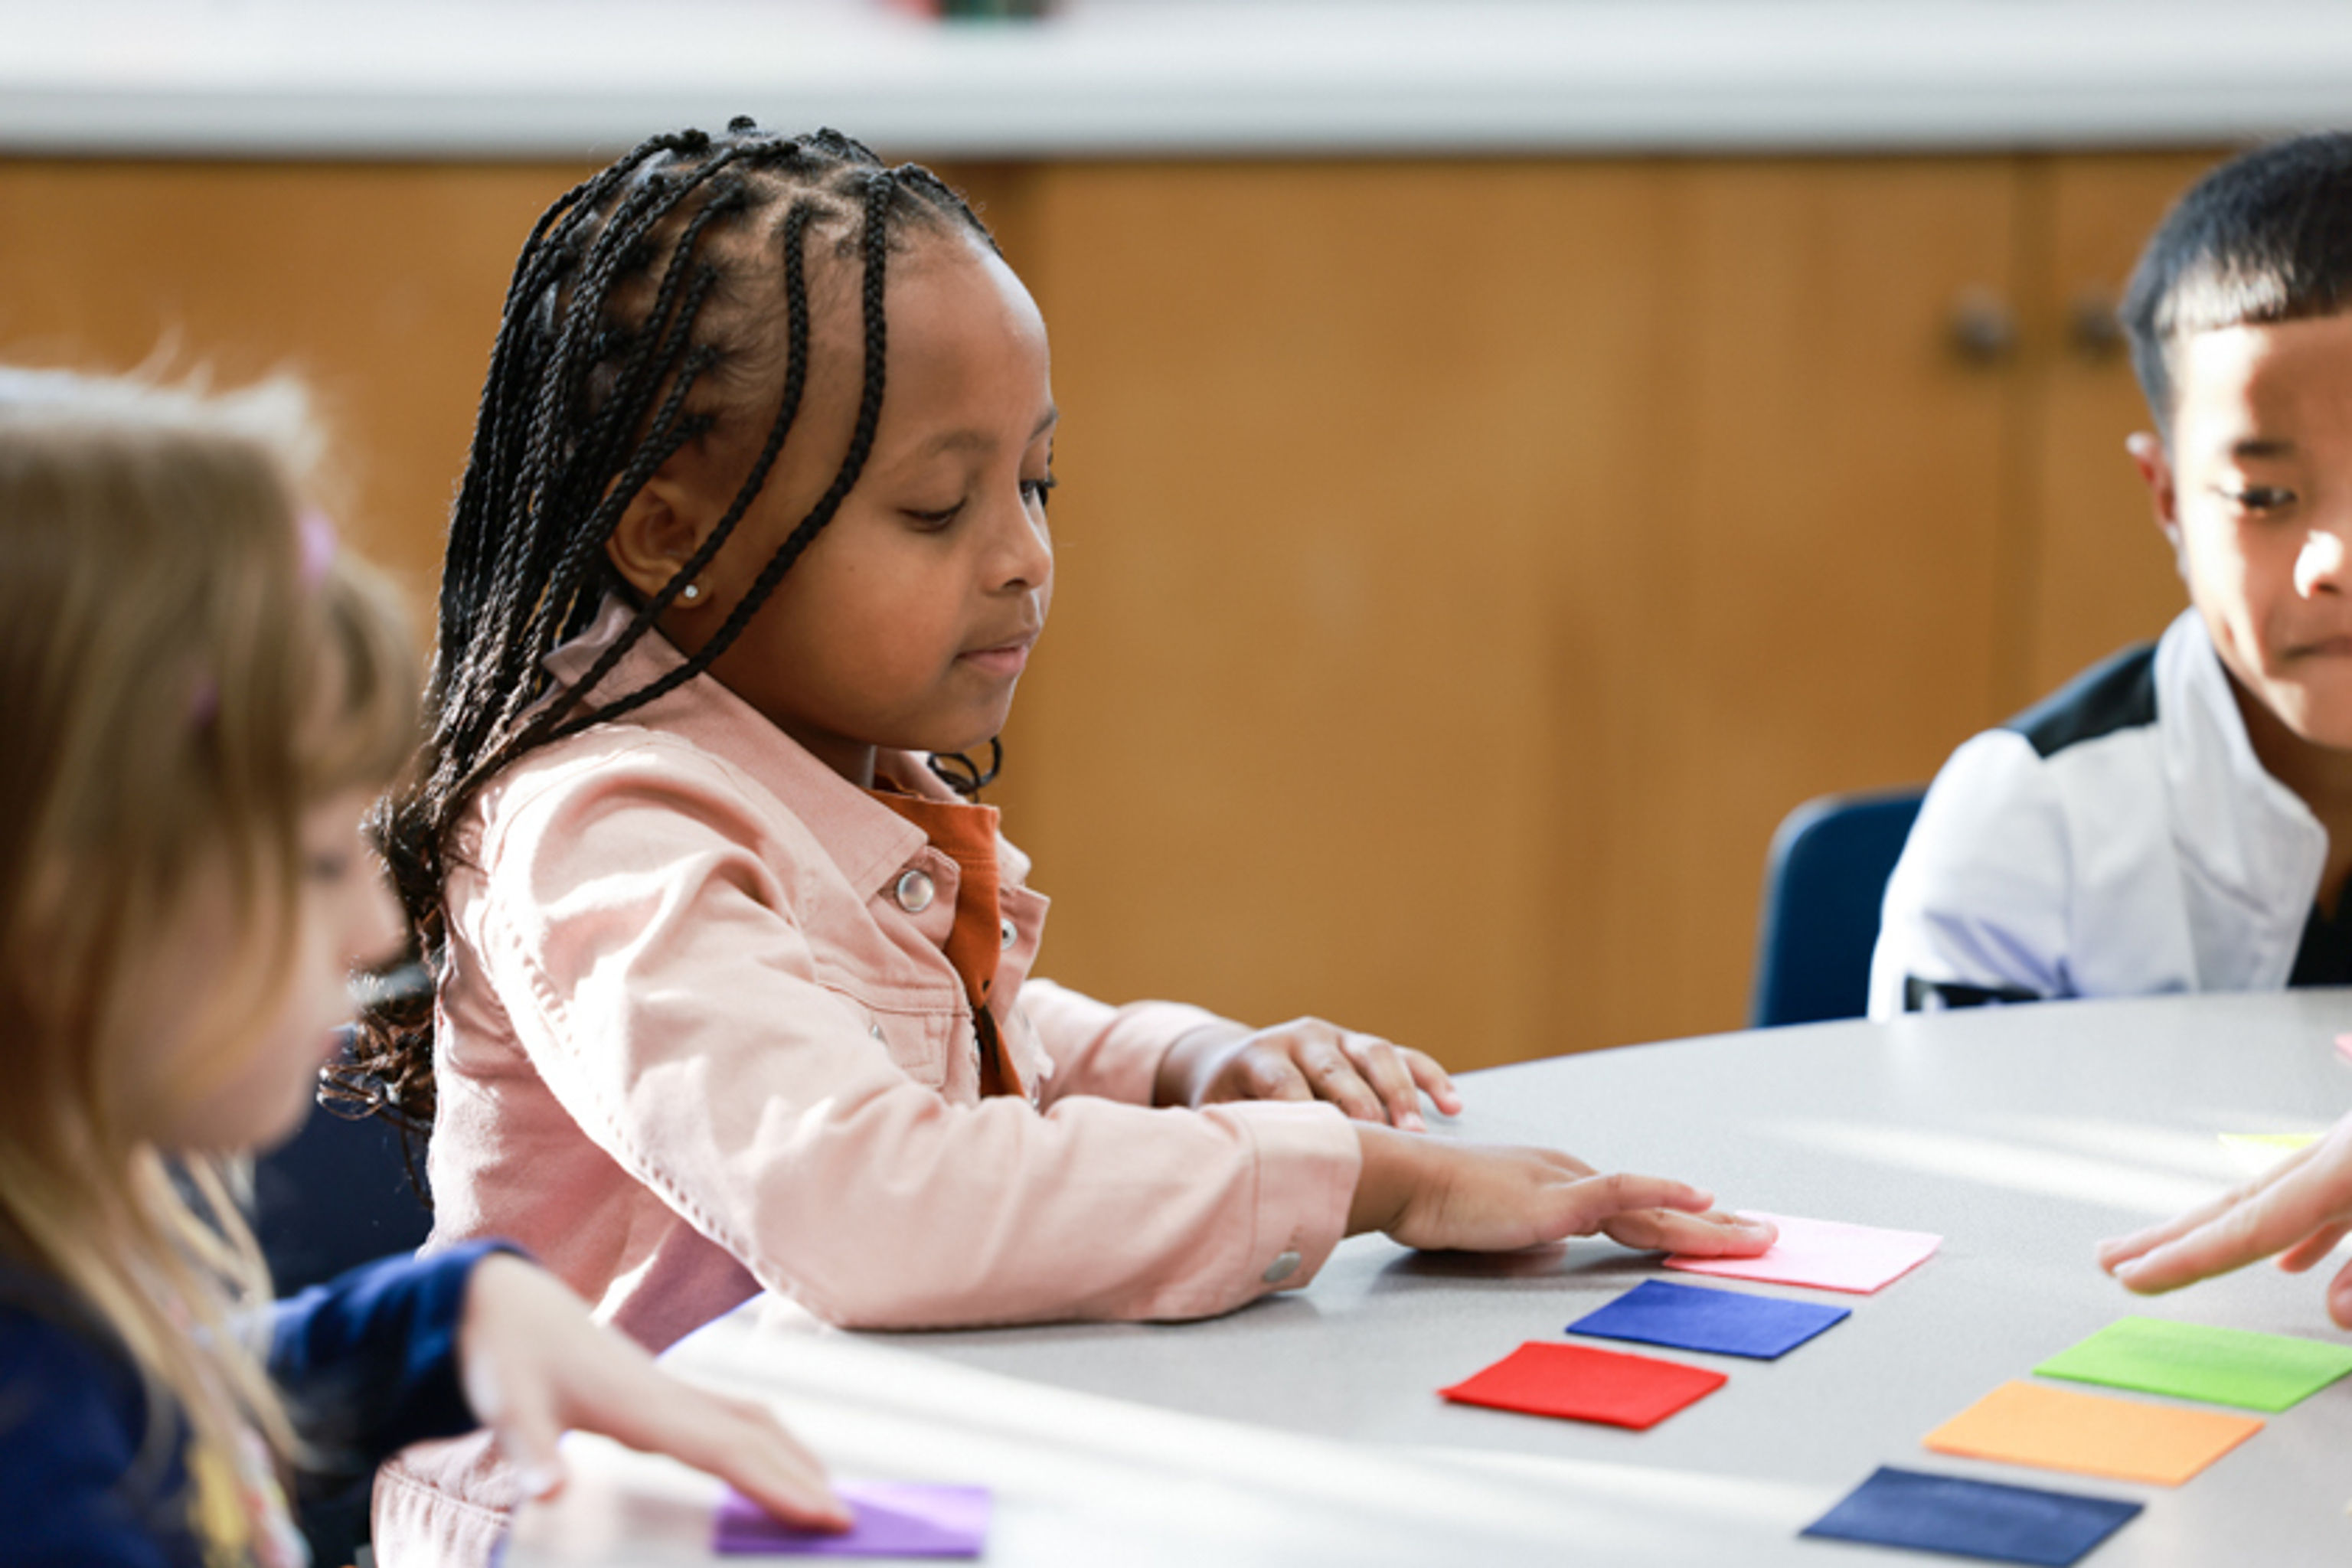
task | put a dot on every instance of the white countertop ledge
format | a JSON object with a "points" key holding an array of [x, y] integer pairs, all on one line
{"points": [[497, 79]]}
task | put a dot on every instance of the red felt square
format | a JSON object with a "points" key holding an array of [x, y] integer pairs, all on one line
{"points": [[1584, 1384]]}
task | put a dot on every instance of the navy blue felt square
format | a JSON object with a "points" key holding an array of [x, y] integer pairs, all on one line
{"points": [[1973, 1519], [1728, 1323]]}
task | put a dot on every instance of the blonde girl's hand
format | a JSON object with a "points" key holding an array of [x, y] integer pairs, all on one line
{"points": [[1431, 1193], [1365, 1076], [2300, 1208], [534, 1366]]}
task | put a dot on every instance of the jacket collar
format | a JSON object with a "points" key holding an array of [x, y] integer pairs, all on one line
{"points": [[867, 839], [2240, 826]]}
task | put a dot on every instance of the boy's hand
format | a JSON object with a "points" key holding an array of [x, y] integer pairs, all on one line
{"points": [[534, 1364], [1307, 1058], [2302, 1206], [1432, 1194]]}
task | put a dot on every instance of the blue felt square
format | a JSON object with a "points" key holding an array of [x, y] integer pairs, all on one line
{"points": [[1728, 1323], [1973, 1519]]}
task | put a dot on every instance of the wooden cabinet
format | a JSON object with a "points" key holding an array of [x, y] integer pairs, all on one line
{"points": [[379, 284], [1464, 566], [2095, 574]]}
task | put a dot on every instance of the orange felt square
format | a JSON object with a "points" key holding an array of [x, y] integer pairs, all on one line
{"points": [[2091, 1433]]}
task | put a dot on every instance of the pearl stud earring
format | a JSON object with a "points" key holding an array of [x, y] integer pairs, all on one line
{"points": [[691, 593]]}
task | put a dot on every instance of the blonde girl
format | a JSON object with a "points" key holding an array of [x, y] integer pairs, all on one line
{"points": [[201, 696], [734, 984]]}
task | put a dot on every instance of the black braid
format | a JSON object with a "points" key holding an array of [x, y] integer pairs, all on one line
{"points": [[946, 198], [628, 333], [796, 224], [879, 193], [518, 364], [672, 429], [683, 366], [963, 775]]}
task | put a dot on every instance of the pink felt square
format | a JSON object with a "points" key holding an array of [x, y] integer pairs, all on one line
{"points": [[1822, 1252]]}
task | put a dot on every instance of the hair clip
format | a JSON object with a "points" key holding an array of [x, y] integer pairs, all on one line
{"points": [[316, 536]]}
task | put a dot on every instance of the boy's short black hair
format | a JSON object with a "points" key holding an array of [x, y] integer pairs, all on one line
{"points": [[2267, 236]]}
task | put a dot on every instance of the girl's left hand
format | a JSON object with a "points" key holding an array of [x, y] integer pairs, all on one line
{"points": [[1365, 1076], [2300, 1208], [533, 1363]]}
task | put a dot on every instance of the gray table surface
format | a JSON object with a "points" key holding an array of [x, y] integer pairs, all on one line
{"points": [[2021, 1135]]}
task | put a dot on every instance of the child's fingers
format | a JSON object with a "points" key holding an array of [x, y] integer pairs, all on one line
{"points": [[739, 1442], [2113, 1254], [1434, 1080], [1561, 1159], [1325, 1070], [514, 1406], [2314, 1247], [2118, 1250], [2266, 1222], [1590, 1203], [1715, 1233], [2293, 1200], [2339, 1296], [533, 1363], [1269, 1073], [788, 1482], [1334, 1076], [1385, 1067]]}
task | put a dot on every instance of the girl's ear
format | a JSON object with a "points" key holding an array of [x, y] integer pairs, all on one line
{"points": [[659, 532]]}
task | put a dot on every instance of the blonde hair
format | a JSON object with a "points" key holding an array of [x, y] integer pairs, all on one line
{"points": [[183, 670]]}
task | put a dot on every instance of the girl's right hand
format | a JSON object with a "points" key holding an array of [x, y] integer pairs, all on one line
{"points": [[534, 1364], [1434, 1195]]}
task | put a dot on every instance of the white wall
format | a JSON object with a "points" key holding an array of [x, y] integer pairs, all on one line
{"points": [[506, 78]]}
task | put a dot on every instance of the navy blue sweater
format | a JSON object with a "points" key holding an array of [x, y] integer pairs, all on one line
{"points": [[367, 1363]]}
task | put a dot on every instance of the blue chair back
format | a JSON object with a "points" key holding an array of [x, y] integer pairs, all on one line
{"points": [[1823, 883], [334, 1196]]}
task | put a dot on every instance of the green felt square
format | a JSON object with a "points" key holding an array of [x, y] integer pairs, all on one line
{"points": [[2190, 1361]]}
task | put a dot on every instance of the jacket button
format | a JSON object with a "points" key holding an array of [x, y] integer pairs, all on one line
{"points": [[913, 892], [1006, 934], [1281, 1268]]}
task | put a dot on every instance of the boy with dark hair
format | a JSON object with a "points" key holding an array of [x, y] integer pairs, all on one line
{"points": [[2180, 816]]}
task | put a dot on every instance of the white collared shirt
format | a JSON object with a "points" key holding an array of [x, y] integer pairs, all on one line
{"points": [[2120, 838]]}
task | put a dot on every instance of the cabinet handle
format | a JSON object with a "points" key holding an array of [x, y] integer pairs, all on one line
{"points": [[2094, 331], [1981, 327]]}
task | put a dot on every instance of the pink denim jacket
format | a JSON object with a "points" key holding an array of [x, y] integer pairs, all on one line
{"points": [[697, 1037]]}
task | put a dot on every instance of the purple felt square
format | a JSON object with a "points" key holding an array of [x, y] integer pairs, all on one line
{"points": [[894, 1519]]}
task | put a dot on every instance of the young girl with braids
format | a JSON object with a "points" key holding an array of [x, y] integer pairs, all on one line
{"points": [[733, 992], [200, 697]]}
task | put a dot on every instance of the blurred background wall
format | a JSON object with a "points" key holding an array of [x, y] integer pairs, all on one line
{"points": [[1512, 453]]}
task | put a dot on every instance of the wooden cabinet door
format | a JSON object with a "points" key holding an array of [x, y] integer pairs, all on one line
{"points": [[2095, 574], [1359, 480], [379, 284], [1846, 462], [1463, 566]]}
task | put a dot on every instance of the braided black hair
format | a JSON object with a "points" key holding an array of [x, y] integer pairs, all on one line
{"points": [[627, 333]]}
